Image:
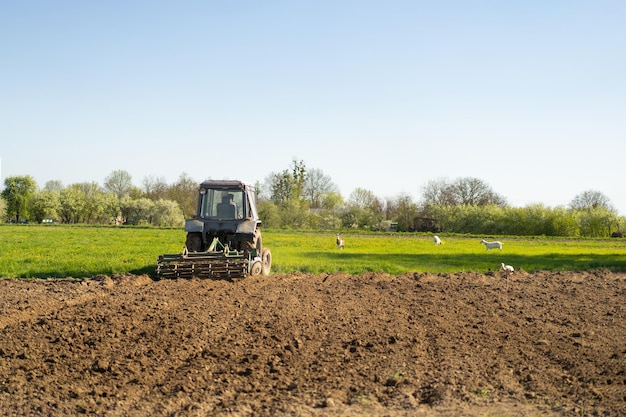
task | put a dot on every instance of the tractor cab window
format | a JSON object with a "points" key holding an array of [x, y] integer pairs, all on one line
{"points": [[222, 204]]}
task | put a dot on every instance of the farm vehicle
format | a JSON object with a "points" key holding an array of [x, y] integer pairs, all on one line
{"points": [[223, 238]]}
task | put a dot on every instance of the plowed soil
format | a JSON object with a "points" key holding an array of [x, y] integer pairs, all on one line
{"points": [[467, 344]]}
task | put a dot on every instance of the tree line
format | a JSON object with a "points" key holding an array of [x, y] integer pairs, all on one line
{"points": [[303, 198], [117, 201], [299, 197]]}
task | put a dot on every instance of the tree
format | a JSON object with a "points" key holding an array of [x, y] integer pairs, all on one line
{"points": [[118, 182], [155, 188], [259, 191], [316, 186], [591, 199], [185, 193], [299, 173], [332, 201], [87, 203], [475, 192], [438, 192], [136, 211], [391, 210], [287, 185], [109, 208], [72, 204], [167, 213], [597, 221], [45, 204], [301, 197], [365, 208], [269, 213], [94, 202], [53, 185], [362, 198], [406, 210], [350, 217], [462, 191], [324, 220], [280, 186], [17, 192], [294, 213]]}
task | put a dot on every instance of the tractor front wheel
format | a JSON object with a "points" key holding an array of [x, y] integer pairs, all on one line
{"points": [[256, 269]]}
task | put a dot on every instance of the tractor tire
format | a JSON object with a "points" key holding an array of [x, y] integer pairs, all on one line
{"points": [[257, 269], [194, 242], [257, 243], [266, 259]]}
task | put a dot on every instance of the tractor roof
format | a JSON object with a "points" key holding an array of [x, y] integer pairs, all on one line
{"points": [[226, 184]]}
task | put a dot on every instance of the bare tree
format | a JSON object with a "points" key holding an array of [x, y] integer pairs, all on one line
{"points": [[475, 192], [316, 186], [391, 208], [362, 198], [53, 185], [119, 182], [438, 192], [591, 199], [463, 191], [155, 188]]}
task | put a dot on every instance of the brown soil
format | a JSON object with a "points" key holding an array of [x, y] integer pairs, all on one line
{"points": [[467, 344]]}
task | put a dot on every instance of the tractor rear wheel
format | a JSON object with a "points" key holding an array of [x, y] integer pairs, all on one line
{"points": [[194, 242], [257, 243], [266, 259]]}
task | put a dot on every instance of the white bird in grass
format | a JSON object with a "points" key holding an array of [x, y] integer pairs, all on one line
{"points": [[437, 240], [339, 241], [507, 268]]}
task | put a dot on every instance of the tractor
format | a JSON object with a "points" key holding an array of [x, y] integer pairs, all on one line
{"points": [[223, 238]]}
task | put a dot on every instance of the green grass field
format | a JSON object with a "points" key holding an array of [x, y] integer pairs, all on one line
{"points": [[28, 251]]}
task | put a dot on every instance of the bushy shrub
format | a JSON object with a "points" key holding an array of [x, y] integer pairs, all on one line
{"points": [[136, 211], [167, 213]]}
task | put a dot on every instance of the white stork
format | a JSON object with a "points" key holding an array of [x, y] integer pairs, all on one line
{"points": [[339, 241]]}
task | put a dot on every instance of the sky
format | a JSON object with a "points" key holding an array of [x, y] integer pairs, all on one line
{"points": [[527, 96]]}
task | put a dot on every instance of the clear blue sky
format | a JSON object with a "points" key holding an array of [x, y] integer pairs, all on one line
{"points": [[528, 96]]}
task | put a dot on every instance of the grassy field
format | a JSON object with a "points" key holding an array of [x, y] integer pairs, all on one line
{"points": [[29, 251]]}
